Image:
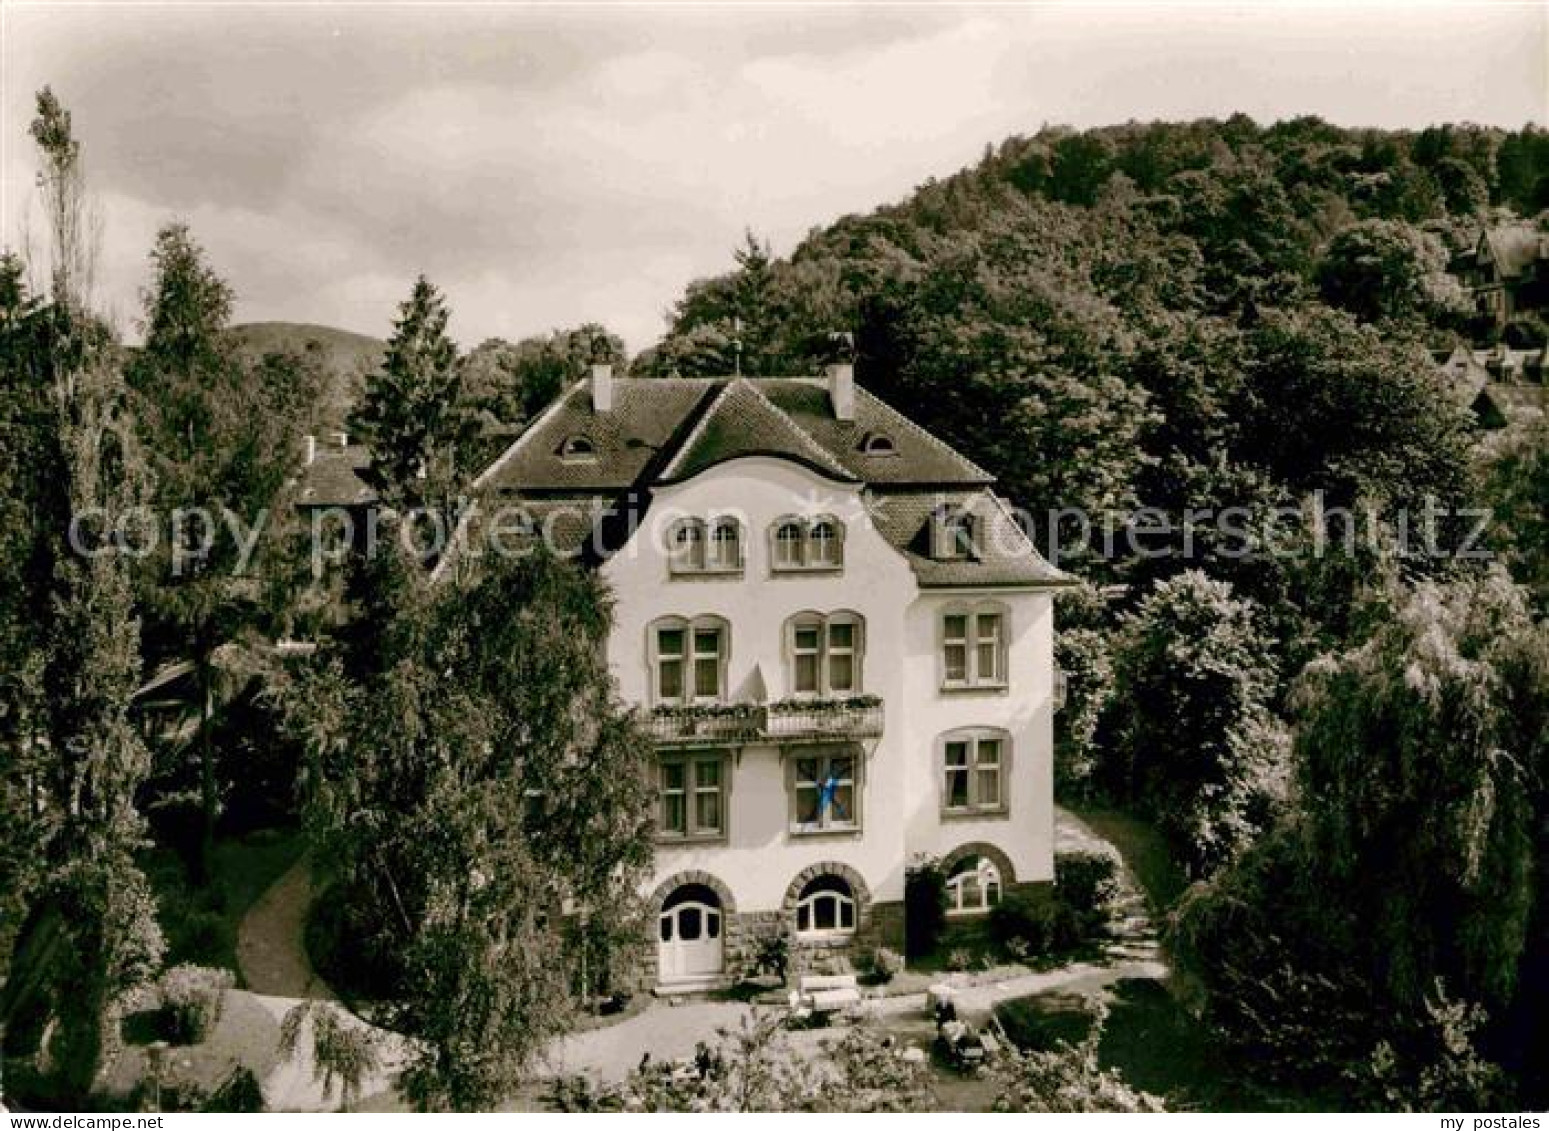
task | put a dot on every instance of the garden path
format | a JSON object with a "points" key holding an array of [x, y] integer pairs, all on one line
{"points": [[271, 942]]}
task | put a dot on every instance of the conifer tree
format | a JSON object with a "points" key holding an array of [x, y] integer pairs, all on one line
{"points": [[411, 413]]}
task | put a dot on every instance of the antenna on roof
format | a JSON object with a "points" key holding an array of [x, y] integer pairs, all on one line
{"points": [[736, 345]]}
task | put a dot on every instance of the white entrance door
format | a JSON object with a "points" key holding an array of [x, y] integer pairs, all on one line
{"points": [[690, 945]]}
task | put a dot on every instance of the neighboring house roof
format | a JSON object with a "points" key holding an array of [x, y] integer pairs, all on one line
{"points": [[1465, 372], [335, 477], [1514, 248], [1513, 403]]}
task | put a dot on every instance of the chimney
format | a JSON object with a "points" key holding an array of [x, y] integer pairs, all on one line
{"points": [[841, 389], [311, 447], [602, 388]]}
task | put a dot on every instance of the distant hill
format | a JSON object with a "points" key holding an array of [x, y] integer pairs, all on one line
{"points": [[348, 357]]}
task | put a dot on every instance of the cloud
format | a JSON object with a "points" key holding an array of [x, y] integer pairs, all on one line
{"points": [[552, 165]]}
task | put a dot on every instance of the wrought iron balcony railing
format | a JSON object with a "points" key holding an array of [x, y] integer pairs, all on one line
{"points": [[784, 721]]}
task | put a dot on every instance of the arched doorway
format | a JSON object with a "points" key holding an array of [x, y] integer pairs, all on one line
{"points": [[690, 935]]}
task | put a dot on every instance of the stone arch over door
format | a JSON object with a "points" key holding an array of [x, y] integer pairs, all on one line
{"points": [[690, 939], [678, 879], [1002, 862]]}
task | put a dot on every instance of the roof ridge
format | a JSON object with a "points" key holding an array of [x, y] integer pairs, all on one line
{"points": [[814, 451]]}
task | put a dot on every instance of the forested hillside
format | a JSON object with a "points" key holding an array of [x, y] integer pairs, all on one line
{"points": [[1343, 743]]}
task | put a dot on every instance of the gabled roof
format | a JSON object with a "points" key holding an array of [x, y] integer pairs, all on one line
{"points": [[336, 478], [741, 421], [1514, 248]]}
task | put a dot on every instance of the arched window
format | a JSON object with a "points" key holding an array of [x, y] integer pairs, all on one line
{"points": [[688, 659], [975, 768], [725, 545], [825, 543], [824, 653], [578, 448], [826, 909], [807, 543], [686, 546], [973, 646], [789, 539], [973, 887]]}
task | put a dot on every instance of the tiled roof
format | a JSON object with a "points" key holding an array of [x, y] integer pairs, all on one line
{"points": [[916, 456], [661, 431], [647, 435], [647, 416], [1007, 556], [335, 477], [743, 422]]}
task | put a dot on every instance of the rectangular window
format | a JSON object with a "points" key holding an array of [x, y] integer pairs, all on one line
{"points": [[674, 818], [707, 663], [807, 647], [973, 650], [841, 656], [957, 775], [973, 768], [956, 635], [669, 664], [693, 796], [823, 793], [987, 641]]}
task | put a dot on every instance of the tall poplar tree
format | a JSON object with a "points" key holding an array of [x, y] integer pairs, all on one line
{"points": [[90, 930]]}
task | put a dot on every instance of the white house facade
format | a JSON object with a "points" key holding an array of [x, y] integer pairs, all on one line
{"points": [[841, 643]]}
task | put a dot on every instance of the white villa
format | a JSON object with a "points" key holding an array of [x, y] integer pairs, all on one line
{"points": [[842, 641]]}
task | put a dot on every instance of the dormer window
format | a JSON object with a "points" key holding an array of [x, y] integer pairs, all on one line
{"points": [[878, 444], [957, 535], [577, 449], [695, 546], [798, 544]]}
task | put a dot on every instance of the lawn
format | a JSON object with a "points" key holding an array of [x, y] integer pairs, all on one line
{"points": [[1158, 1046], [1144, 850], [201, 921]]}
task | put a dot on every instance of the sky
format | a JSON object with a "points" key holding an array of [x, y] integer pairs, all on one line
{"points": [[547, 165]]}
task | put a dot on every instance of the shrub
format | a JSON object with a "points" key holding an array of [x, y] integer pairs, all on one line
{"points": [[925, 907], [194, 997], [1042, 924], [1068, 1079], [1088, 883], [959, 958], [884, 964], [773, 956]]}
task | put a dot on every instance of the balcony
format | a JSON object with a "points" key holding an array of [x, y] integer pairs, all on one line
{"points": [[786, 722]]}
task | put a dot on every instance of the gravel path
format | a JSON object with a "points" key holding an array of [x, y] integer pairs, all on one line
{"points": [[271, 947]]}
